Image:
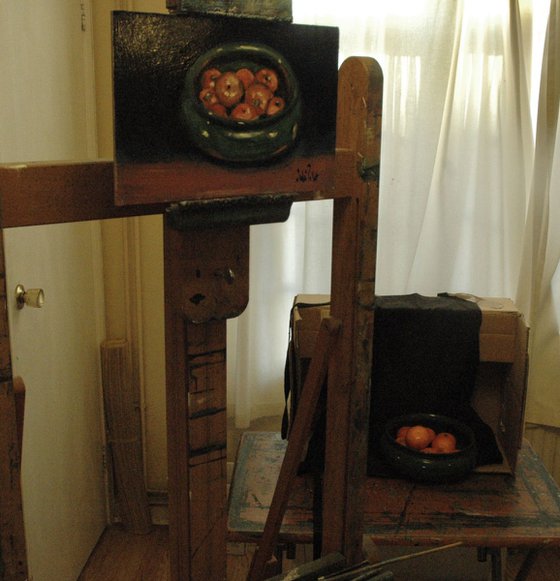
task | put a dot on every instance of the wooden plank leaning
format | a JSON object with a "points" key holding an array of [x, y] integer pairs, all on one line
{"points": [[297, 444]]}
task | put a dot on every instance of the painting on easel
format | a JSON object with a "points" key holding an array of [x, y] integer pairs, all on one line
{"points": [[211, 106]]}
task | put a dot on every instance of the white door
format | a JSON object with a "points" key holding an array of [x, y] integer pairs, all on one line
{"points": [[46, 113]]}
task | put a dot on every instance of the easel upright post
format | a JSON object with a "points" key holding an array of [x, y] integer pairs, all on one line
{"points": [[206, 282], [353, 294]]}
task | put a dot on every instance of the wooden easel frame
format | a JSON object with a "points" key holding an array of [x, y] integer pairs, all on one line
{"points": [[85, 192]]}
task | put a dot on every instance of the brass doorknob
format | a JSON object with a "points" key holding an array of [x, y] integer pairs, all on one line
{"points": [[34, 297]]}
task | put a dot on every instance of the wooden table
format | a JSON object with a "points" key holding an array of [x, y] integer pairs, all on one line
{"points": [[487, 511]]}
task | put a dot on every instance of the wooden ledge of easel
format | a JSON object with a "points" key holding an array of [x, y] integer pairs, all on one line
{"points": [[38, 193], [33, 194], [52, 193]]}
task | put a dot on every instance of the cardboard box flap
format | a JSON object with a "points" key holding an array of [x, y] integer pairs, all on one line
{"points": [[498, 329]]}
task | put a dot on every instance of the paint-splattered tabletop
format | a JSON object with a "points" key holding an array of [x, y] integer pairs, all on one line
{"points": [[485, 510]]}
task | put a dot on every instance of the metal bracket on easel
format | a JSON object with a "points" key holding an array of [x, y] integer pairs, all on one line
{"points": [[221, 212]]}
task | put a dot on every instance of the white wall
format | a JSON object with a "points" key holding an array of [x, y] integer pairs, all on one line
{"points": [[46, 113]]}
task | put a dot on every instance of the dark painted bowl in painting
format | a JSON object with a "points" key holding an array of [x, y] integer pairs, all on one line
{"points": [[422, 467], [227, 139]]}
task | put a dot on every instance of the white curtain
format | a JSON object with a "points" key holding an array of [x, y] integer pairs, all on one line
{"points": [[285, 259], [539, 289], [457, 151]]}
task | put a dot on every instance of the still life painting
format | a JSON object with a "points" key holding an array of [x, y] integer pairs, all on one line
{"points": [[211, 107]]}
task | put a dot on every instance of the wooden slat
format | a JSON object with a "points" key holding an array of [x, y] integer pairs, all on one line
{"points": [[300, 435], [352, 290], [124, 434], [50, 193]]}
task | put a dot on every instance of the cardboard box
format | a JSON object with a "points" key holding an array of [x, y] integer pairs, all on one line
{"points": [[501, 385]]}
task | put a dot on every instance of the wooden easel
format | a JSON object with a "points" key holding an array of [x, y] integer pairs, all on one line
{"points": [[209, 266], [348, 358], [213, 263]]}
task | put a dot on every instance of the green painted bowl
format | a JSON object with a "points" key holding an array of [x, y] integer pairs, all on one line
{"points": [[242, 141], [422, 467]]}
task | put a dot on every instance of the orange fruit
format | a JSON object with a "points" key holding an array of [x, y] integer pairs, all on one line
{"points": [[402, 431], [418, 437], [445, 443], [429, 450]]}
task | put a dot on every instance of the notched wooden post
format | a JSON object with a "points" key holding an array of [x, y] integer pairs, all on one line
{"points": [[206, 282]]}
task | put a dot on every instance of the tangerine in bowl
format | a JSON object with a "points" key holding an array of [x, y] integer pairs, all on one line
{"points": [[429, 447]]}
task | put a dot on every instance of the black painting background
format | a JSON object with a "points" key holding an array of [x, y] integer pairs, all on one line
{"points": [[152, 52]]}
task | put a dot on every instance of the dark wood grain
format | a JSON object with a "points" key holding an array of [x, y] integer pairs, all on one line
{"points": [[485, 510]]}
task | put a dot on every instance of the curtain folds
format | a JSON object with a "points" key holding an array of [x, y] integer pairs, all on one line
{"points": [[456, 164], [539, 283]]}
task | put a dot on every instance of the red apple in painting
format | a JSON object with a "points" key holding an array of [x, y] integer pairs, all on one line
{"points": [[258, 95], [246, 76], [229, 89], [208, 97], [244, 112], [218, 109], [267, 77], [209, 77], [275, 105]]}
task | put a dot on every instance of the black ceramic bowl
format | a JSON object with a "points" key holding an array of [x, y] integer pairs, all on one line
{"points": [[423, 467], [232, 140]]}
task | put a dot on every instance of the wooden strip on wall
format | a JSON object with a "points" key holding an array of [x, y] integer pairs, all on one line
{"points": [[124, 431]]}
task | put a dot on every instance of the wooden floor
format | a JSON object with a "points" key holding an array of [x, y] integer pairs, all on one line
{"points": [[121, 556]]}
